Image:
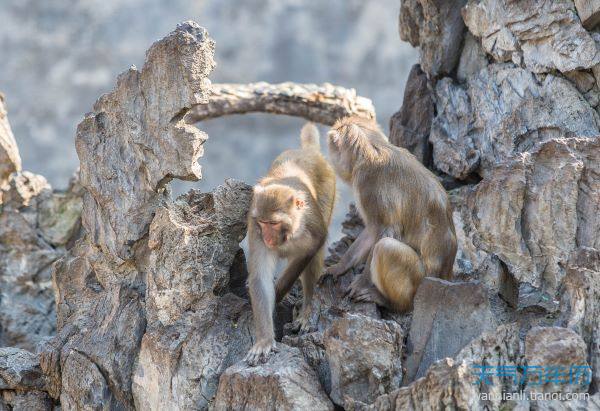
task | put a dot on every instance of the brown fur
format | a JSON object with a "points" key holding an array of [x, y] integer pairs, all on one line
{"points": [[409, 231], [294, 204]]}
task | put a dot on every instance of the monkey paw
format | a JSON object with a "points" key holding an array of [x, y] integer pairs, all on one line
{"points": [[363, 291], [335, 271], [302, 323], [259, 353]]}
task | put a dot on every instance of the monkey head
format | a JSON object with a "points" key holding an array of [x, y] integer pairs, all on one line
{"points": [[277, 211]]}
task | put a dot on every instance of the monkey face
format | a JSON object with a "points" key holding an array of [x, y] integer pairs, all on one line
{"points": [[277, 211], [274, 233]]}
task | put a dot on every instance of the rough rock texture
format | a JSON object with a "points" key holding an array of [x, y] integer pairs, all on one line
{"points": [[446, 317], [410, 127], [284, 382], [561, 348], [10, 161], [319, 103], [22, 383], [364, 357], [502, 111], [589, 12], [36, 225], [539, 35], [437, 27], [139, 126]]}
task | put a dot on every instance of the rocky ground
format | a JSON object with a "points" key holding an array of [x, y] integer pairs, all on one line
{"points": [[151, 311]]}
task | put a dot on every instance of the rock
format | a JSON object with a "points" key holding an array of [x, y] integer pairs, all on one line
{"points": [[589, 12], [20, 370], [542, 36], [472, 59], [312, 347], [580, 303], [364, 357], [447, 316], [192, 245], [454, 383], [437, 28], [32, 400], [562, 349], [284, 382], [179, 365], [139, 126], [510, 209], [10, 160], [591, 403], [504, 111], [409, 127], [25, 263]]}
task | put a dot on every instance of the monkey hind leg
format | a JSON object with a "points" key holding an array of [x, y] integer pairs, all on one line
{"points": [[309, 278], [396, 271]]}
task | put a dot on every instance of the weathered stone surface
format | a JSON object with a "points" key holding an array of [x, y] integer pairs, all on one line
{"points": [[453, 383], [284, 382], [504, 110], [192, 245], [31, 239], [437, 28], [541, 36], [472, 58], [410, 127], [580, 303], [589, 12], [447, 316], [364, 357], [26, 401], [179, 365], [138, 132], [10, 160], [323, 103], [510, 211], [20, 369], [556, 347]]}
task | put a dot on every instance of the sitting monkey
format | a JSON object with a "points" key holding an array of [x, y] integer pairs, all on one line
{"points": [[288, 219], [409, 233]]}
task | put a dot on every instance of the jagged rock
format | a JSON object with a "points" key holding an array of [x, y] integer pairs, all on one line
{"points": [[23, 188], [472, 58], [592, 403], [364, 357], [541, 36], [323, 103], [580, 303], [312, 347], [437, 28], [409, 127], [284, 382], [138, 128], [179, 365], [192, 245], [447, 316], [504, 110], [589, 12], [10, 160], [25, 264], [556, 347], [510, 211], [455, 383], [20, 370], [27, 401]]}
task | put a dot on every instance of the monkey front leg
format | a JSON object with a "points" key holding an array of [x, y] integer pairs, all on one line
{"points": [[261, 269], [356, 254]]}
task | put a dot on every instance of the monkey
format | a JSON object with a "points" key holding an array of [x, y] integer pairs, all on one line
{"points": [[409, 233], [288, 219]]}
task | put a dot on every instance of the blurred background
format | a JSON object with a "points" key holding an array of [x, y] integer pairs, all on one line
{"points": [[58, 57]]}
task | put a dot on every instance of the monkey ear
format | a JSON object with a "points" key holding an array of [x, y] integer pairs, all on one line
{"points": [[300, 203]]}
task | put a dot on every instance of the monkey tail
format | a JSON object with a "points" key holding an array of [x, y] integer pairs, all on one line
{"points": [[309, 136]]}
